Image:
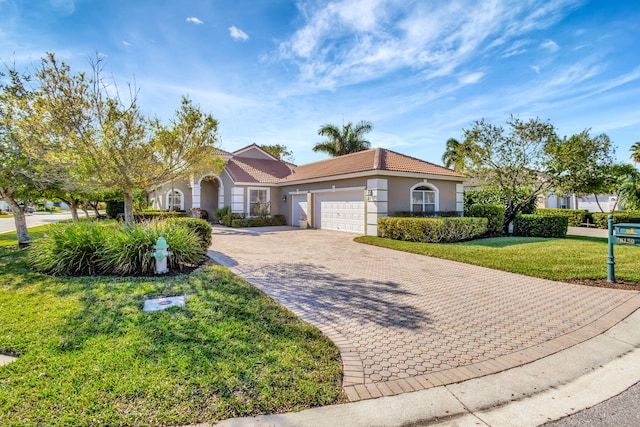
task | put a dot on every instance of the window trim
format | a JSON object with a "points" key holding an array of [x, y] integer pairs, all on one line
{"points": [[249, 189], [431, 187], [175, 190]]}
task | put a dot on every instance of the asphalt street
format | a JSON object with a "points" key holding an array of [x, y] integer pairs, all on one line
{"points": [[8, 224], [621, 410]]}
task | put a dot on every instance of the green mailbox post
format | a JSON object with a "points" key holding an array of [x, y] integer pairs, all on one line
{"points": [[625, 234]]}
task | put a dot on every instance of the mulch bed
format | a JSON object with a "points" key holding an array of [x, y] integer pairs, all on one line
{"points": [[602, 283]]}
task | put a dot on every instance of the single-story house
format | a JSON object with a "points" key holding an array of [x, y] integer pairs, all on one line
{"points": [[346, 193], [589, 202]]}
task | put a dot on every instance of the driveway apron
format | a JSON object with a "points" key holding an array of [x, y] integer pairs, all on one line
{"points": [[406, 322]]}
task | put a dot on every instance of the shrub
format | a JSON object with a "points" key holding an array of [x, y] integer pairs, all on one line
{"points": [[493, 213], [221, 213], [540, 226], [600, 218], [90, 248], [199, 226], [227, 220], [127, 250], [259, 221], [199, 213], [114, 208], [431, 230], [577, 217], [435, 214], [70, 249]]}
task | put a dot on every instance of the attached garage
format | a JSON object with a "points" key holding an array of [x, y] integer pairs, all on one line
{"points": [[340, 211]]}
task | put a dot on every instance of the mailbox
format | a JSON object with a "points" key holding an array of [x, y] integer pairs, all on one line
{"points": [[627, 234]]}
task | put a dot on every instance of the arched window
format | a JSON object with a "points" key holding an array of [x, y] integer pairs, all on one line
{"points": [[424, 198], [175, 200]]}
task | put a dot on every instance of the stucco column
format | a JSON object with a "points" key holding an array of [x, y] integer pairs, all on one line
{"points": [[376, 196], [459, 198]]}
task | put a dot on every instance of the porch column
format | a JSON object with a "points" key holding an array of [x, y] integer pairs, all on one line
{"points": [[376, 195]]}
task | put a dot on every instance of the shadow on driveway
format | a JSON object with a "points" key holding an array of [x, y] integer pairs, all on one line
{"points": [[329, 298]]}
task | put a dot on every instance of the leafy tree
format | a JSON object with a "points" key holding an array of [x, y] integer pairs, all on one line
{"points": [[512, 160], [635, 152], [109, 139], [349, 139], [278, 151], [582, 163], [25, 151]]}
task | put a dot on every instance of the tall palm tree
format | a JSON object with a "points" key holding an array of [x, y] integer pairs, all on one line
{"points": [[457, 154], [451, 156], [635, 152], [343, 141]]}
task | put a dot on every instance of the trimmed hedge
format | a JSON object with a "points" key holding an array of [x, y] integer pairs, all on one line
{"points": [[259, 221], [435, 214], [577, 217], [114, 208], [199, 226], [600, 218], [154, 215], [431, 230], [493, 213], [540, 226]]}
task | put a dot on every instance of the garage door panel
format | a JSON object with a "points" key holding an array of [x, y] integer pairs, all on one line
{"points": [[341, 211]]}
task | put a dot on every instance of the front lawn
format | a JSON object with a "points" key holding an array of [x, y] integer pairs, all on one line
{"points": [[557, 259], [88, 355]]}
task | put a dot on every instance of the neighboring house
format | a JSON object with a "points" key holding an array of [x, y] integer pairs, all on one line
{"points": [[607, 202], [346, 193]]}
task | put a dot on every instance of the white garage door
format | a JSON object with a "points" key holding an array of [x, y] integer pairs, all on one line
{"points": [[299, 203], [341, 211]]}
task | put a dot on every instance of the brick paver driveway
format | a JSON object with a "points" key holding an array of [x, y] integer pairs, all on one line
{"points": [[406, 322]]}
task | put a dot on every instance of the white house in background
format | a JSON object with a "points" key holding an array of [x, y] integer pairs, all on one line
{"points": [[3, 205], [607, 202]]}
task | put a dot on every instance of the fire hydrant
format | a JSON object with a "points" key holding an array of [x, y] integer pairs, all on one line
{"points": [[161, 253]]}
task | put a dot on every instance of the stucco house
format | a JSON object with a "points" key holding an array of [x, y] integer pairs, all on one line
{"points": [[346, 193]]}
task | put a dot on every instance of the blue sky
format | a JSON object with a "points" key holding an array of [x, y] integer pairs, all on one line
{"points": [[274, 71]]}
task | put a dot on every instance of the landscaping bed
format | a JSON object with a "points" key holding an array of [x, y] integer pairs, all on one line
{"points": [[572, 259], [88, 355]]}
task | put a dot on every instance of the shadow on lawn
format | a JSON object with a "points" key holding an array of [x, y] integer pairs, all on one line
{"points": [[333, 299], [503, 242]]}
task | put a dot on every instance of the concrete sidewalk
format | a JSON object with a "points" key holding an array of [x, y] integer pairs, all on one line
{"points": [[547, 389]]}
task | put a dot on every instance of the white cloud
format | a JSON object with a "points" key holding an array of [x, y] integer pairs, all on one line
{"points": [[237, 34], [344, 43], [194, 20], [535, 68], [126, 43], [469, 79], [551, 45]]}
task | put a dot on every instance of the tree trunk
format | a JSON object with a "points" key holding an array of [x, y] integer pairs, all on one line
{"points": [[574, 196], [598, 203], [73, 206], [18, 217], [128, 206]]}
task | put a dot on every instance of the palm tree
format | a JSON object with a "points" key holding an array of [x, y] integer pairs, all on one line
{"points": [[635, 152], [629, 190], [457, 154], [343, 141]]}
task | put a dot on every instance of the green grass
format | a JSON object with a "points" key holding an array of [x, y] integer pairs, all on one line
{"points": [[11, 238], [88, 355], [557, 259]]}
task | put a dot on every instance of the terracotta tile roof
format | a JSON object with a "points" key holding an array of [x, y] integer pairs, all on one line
{"points": [[245, 169], [222, 153], [364, 161]]}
